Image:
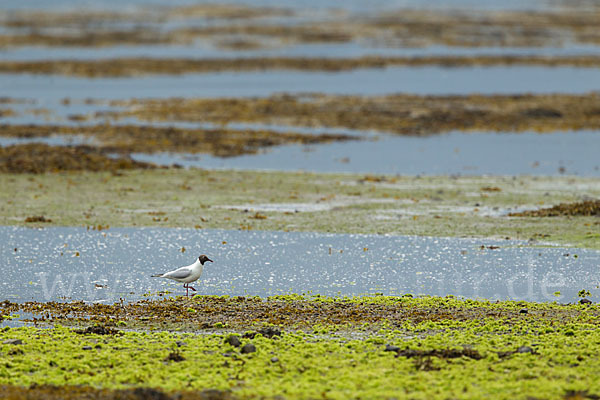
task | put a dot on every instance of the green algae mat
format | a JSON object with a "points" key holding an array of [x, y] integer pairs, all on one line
{"points": [[321, 347]]}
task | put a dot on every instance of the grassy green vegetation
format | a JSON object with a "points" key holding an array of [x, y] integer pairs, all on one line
{"points": [[417, 348], [340, 203]]}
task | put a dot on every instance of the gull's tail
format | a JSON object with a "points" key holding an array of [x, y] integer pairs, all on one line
{"points": [[156, 276]]}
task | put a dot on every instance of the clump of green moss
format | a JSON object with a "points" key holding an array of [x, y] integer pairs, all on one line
{"points": [[542, 353]]}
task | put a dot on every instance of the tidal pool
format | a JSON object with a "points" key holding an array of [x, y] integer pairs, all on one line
{"points": [[103, 266]]}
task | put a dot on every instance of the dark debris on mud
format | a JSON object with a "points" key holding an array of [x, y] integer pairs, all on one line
{"points": [[519, 350], [98, 330], [175, 356], [268, 332], [423, 358], [580, 395], [50, 392], [38, 218], [440, 353]]}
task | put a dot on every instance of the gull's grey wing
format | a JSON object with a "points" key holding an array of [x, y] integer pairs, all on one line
{"points": [[180, 273]]}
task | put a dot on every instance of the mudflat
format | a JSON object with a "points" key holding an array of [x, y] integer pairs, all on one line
{"points": [[302, 201]]}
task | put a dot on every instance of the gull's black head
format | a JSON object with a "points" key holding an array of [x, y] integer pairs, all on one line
{"points": [[204, 259]]}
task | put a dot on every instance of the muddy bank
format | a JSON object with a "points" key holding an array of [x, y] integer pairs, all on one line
{"points": [[81, 18], [473, 28], [401, 114], [128, 67], [7, 113], [585, 208], [287, 311], [401, 28], [37, 158]]}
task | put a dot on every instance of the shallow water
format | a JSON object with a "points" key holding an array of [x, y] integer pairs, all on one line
{"points": [[352, 5], [422, 80], [203, 50], [457, 153], [57, 263]]}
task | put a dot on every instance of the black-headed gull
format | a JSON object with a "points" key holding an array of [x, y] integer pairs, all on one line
{"points": [[187, 274]]}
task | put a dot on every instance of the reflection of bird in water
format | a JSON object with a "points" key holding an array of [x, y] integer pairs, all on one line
{"points": [[187, 274]]}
